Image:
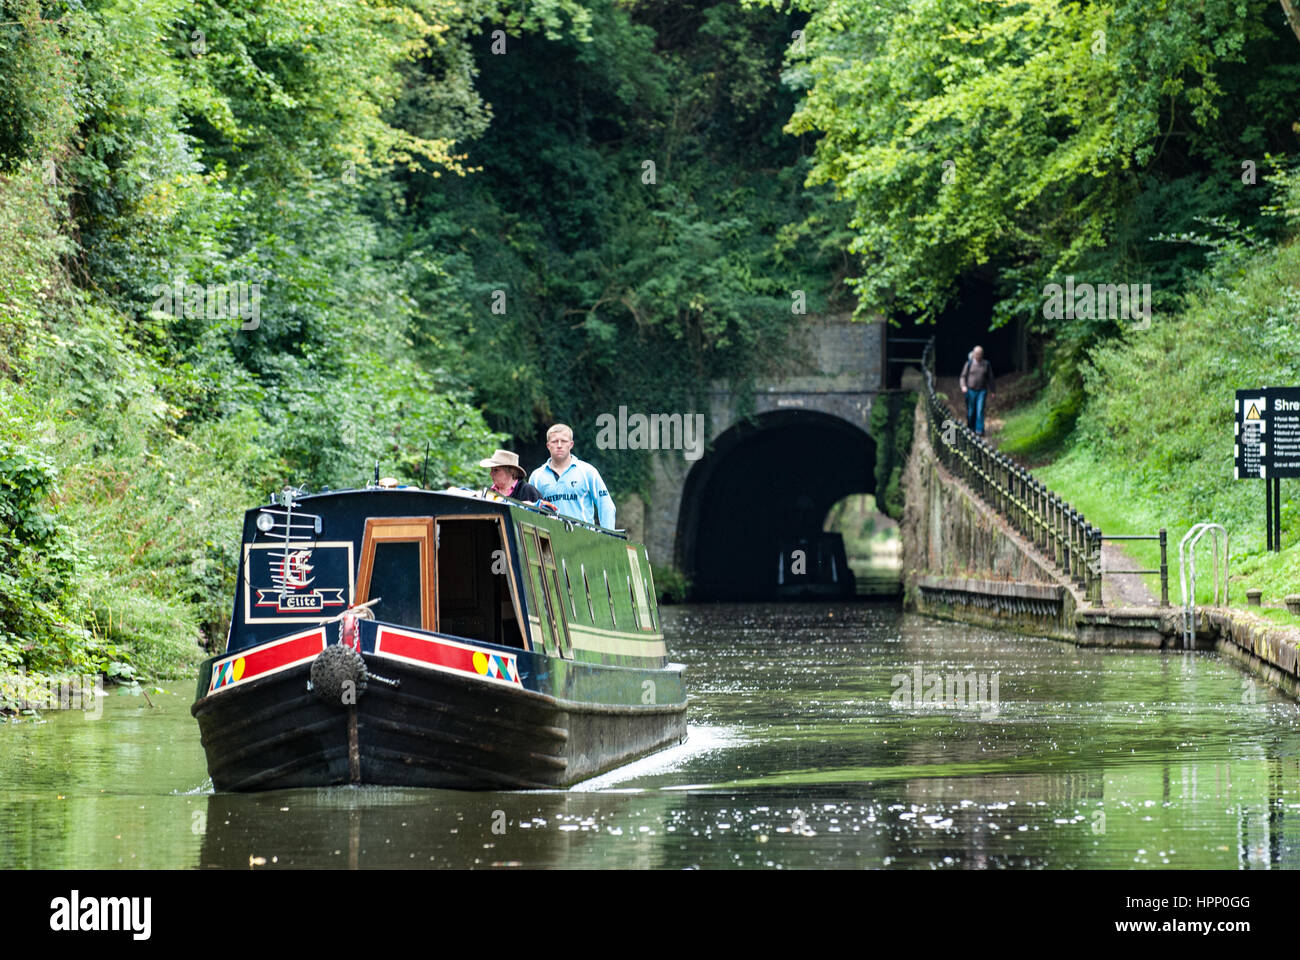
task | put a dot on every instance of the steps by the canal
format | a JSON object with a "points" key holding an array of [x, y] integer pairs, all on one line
{"points": [[963, 561]]}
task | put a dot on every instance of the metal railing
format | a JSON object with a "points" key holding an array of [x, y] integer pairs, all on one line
{"points": [[1187, 562], [1163, 537], [1047, 520]]}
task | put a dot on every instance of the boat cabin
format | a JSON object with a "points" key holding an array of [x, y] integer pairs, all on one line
{"points": [[452, 564]]}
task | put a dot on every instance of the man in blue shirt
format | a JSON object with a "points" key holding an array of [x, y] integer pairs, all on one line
{"points": [[572, 486]]}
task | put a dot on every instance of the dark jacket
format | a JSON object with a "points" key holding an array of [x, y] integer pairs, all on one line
{"points": [[523, 491], [977, 375]]}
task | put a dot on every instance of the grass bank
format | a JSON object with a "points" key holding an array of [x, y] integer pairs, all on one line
{"points": [[1152, 445]]}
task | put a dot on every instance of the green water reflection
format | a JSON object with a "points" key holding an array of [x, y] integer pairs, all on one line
{"points": [[807, 749]]}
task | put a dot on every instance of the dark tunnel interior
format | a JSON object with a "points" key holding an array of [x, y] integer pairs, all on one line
{"points": [[956, 330], [763, 485]]}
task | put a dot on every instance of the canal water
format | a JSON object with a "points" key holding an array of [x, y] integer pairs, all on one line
{"points": [[821, 735]]}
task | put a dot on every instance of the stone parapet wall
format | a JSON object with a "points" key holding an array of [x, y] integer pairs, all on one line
{"points": [[1041, 609], [1264, 648]]}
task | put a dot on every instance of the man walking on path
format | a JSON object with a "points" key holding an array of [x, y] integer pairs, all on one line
{"points": [[572, 486], [976, 382]]}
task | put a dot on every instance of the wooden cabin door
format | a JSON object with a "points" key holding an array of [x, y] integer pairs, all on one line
{"points": [[397, 565]]}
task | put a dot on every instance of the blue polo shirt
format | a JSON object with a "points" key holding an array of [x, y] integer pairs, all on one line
{"points": [[577, 492]]}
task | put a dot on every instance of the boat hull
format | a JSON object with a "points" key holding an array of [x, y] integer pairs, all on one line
{"points": [[434, 729]]}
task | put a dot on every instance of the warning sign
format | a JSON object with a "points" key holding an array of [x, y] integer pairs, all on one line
{"points": [[1250, 429], [1266, 429], [1283, 418]]}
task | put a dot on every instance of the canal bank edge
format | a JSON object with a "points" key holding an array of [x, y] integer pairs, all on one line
{"points": [[961, 561]]}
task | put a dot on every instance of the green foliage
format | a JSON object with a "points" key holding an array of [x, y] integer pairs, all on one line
{"points": [[855, 518], [1036, 139], [165, 144], [891, 427], [626, 284], [1154, 443], [1160, 400], [37, 560], [1044, 426], [36, 108], [671, 584]]}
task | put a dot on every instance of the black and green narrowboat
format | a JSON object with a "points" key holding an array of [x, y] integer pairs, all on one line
{"points": [[401, 636], [814, 568]]}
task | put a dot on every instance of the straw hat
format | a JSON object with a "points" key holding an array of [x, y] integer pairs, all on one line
{"points": [[504, 458]]}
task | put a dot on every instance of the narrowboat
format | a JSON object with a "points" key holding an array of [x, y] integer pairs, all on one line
{"points": [[814, 568], [401, 636]]}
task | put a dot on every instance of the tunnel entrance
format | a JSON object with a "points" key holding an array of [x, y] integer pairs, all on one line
{"points": [[956, 330], [765, 485]]}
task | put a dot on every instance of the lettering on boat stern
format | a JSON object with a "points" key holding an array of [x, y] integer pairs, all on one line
{"points": [[288, 583]]}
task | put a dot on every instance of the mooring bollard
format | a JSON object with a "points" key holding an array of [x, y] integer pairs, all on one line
{"points": [[1253, 597]]}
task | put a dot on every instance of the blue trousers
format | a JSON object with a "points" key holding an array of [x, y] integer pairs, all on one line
{"points": [[975, 410]]}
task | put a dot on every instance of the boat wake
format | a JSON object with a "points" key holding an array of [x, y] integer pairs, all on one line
{"points": [[700, 741]]}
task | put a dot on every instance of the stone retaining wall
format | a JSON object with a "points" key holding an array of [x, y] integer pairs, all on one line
{"points": [[1045, 609], [948, 532]]}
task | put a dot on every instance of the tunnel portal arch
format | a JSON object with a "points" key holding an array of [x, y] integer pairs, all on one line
{"points": [[764, 483]]}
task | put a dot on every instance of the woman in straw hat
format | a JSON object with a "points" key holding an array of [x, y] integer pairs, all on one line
{"points": [[508, 478]]}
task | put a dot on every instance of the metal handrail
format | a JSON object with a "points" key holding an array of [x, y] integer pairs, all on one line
{"points": [[1162, 536], [1188, 564], [1061, 532]]}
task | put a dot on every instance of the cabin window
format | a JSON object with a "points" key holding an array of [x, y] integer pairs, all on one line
{"points": [[591, 610], [637, 591], [544, 592], [573, 604], [650, 590], [477, 596], [397, 566], [653, 624], [631, 599], [610, 593], [397, 576], [536, 597], [551, 580]]}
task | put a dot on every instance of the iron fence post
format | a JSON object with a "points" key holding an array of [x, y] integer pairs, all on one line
{"points": [[1164, 568], [1099, 586], [1086, 531]]}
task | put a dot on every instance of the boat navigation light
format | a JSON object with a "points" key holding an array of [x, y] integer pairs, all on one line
{"points": [[265, 522]]}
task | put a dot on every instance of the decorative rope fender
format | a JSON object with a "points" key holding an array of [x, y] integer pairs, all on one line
{"points": [[338, 675]]}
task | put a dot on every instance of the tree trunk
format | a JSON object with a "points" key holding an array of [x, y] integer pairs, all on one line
{"points": [[1292, 16]]}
